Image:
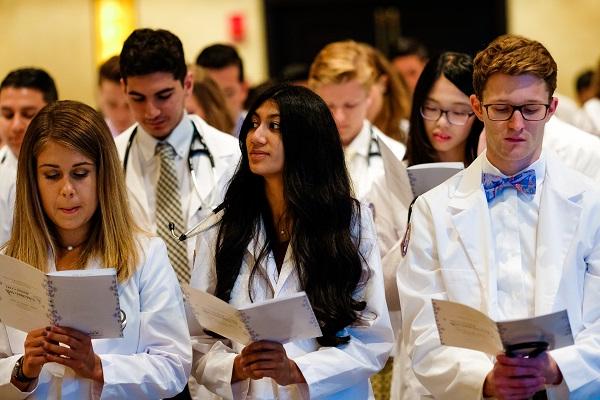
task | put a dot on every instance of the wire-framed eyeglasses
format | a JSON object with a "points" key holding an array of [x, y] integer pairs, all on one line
{"points": [[504, 112], [433, 113]]}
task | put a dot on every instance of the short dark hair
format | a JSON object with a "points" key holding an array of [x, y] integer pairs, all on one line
{"points": [[32, 78], [407, 46], [584, 80], [219, 56], [146, 51], [110, 71], [458, 69]]}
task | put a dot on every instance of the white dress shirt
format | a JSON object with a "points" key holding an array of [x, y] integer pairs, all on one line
{"points": [[149, 161], [8, 181], [514, 221], [362, 167]]}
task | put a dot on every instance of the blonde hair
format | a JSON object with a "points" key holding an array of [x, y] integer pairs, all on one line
{"points": [[514, 55], [111, 238], [340, 62], [396, 98]]}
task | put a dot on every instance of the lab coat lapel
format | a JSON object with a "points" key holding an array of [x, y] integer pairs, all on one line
{"points": [[277, 280], [267, 265], [134, 180], [558, 220], [470, 215]]}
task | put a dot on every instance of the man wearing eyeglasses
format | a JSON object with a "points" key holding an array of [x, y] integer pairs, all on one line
{"points": [[514, 235]]}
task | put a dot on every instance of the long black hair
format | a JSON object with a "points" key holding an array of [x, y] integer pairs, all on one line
{"points": [[319, 204], [458, 69]]}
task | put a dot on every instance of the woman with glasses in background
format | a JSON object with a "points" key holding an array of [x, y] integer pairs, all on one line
{"points": [[443, 128]]}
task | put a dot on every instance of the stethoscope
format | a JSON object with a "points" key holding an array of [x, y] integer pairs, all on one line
{"points": [[373, 149], [194, 151]]}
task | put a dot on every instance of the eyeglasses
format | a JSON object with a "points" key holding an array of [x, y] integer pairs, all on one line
{"points": [[432, 113], [504, 112]]}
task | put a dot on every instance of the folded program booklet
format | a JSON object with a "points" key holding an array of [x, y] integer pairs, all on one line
{"points": [[86, 300], [462, 326], [283, 319], [407, 183]]}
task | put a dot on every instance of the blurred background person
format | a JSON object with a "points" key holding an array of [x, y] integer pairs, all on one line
{"points": [[390, 100], [23, 92], [344, 76], [208, 102], [224, 65], [72, 213], [584, 85], [588, 118], [289, 223], [111, 97], [408, 57]]}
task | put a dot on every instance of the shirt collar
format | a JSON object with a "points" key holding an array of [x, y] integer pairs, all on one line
{"points": [[179, 139], [539, 166], [361, 143]]}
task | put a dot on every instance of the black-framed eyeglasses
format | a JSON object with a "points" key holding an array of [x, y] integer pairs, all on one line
{"points": [[504, 112], [432, 113]]}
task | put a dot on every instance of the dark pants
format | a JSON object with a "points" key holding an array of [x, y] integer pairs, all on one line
{"points": [[185, 395]]}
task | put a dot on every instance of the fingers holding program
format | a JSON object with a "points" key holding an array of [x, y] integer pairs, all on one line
{"points": [[265, 359]]}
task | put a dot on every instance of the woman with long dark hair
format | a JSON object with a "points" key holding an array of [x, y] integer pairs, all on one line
{"points": [[289, 223]]}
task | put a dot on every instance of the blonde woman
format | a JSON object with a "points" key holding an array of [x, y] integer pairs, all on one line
{"points": [[344, 75], [72, 213]]}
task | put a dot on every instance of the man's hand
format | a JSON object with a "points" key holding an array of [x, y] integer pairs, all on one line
{"points": [[519, 377]]}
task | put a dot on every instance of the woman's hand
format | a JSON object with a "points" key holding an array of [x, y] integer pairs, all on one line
{"points": [[79, 355], [266, 360], [35, 356]]}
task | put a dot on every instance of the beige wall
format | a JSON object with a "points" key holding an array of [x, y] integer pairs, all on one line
{"points": [[54, 35], [59, 36], [570, 29], [199, 23]]}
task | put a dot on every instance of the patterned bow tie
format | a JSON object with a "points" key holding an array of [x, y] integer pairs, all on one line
{"points": [[524, 182]]}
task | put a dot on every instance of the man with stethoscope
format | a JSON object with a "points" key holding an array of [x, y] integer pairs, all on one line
{"points": [[342, 74], [176, 165]]}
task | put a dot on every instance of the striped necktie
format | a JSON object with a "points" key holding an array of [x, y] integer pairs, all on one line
{"points": [[168, 209]]}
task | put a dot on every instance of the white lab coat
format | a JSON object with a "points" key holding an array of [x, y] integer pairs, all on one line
{"points": [[8, 182], [391, 217], [212, 182], [577, 149], [152, 360], [331, 372], [363, 159], [588, 117], [451, 256]]}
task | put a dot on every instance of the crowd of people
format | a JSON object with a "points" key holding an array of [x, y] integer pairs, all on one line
{"points": [[187, 176]]}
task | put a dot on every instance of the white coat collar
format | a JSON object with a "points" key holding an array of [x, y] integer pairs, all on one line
{"points": [[276, 279]]}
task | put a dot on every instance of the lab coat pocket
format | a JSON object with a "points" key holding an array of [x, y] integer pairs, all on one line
{"points": [[462, 286]]}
